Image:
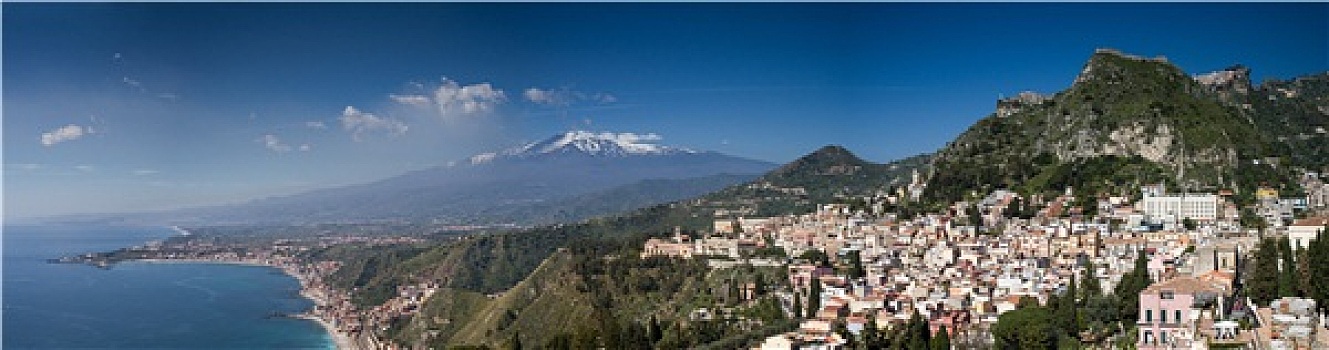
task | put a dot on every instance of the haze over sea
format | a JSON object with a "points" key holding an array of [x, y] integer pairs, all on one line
{"points": [[142, 305]]}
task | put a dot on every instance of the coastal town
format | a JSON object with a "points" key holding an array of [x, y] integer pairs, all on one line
{"points": [[962, 278], [860, 268]]}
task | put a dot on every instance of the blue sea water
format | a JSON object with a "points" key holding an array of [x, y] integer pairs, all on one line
{"points": [[141, 305]]}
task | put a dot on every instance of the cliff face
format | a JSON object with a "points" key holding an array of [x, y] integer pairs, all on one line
{"points": [[1136, 110]]}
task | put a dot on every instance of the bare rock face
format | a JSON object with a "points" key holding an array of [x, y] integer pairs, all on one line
{"points": [[1012, 105], [1134, 140], [1228, 83]]}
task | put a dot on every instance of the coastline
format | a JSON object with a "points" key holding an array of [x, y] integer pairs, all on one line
{"points": [[340, 340]]}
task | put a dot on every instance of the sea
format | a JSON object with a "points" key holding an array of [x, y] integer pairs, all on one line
{"points": [[141, 305]]}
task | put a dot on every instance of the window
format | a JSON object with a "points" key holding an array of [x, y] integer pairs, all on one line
{"points": [[1148, 337], [1148, 316], [1177, 313], [1162, 316], [1166, 295], [1162, 337]]}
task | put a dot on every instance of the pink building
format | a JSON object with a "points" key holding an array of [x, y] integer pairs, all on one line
{"points": [[1168, 311]]}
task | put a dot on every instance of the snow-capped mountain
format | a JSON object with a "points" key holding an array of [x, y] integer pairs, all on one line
{"points": [[531, 183], [605, 144]]}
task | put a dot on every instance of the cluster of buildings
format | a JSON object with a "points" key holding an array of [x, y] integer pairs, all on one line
{"points": [[961, 279]]}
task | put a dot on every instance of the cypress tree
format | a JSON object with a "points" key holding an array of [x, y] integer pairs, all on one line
{"points": [[942, 341], [1287, 275], [919, 333], [798, 304], [871, 337], [1066, 310], [814, 299], [1263, 281], [1318, 256]]}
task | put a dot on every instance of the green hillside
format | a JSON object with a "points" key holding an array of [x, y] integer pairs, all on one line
{"points": [[1151, 121]]}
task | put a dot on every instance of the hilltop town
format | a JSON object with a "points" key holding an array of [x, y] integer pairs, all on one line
{"points": [[963, 269]]}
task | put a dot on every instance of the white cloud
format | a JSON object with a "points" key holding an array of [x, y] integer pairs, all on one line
{"points": [[305, 147], [65, 133], [453, 99], [565, 97], [85, 168], [316, 125], [274, 143], [414, 100], [145, 172], [358, 123], [545, 97]]}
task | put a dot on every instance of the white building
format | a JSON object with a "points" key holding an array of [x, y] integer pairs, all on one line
{"points": [[1160, 207], [1300, 234]]}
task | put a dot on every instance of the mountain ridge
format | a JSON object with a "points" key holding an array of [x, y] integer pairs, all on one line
{"points": [[1140, 112], [530, 187]]}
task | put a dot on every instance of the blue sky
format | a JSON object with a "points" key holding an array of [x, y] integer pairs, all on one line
{"points": [[127, 107]]}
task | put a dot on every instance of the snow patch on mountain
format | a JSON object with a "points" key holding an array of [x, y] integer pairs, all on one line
{"points": [[604, 144]]}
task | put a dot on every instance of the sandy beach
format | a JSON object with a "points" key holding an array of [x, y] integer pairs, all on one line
{"points": [[343, 342]]}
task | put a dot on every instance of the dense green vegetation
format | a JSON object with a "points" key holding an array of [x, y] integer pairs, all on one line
{"points": [[625, 302], [1089, 177], [1210, 141], [1277, 271], [1079, 316]]}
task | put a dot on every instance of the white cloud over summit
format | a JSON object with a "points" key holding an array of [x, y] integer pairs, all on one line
{"points": [[451, 100]]}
